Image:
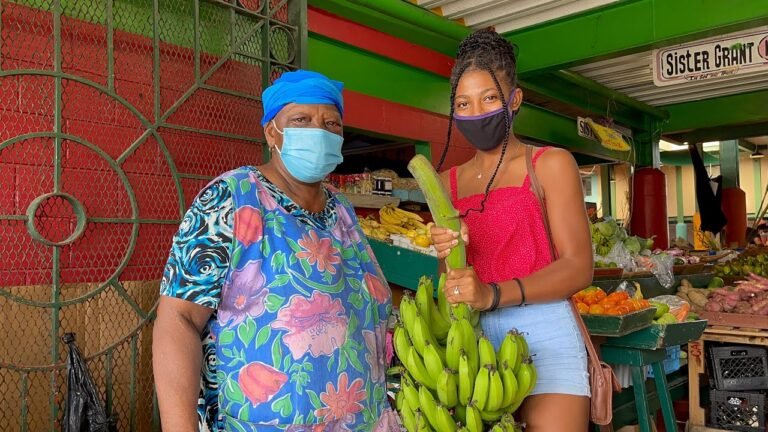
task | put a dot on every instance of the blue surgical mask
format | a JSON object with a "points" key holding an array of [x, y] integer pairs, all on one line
{"points": [[310, 154]]}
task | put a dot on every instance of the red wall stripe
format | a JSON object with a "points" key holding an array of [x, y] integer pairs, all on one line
{"points": [[366, 38], [389, 118]]}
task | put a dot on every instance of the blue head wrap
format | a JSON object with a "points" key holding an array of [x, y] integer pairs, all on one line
{"points": [[301, 87]]}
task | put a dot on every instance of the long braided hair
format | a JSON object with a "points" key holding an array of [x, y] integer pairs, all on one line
{"points": [[484, 50]]}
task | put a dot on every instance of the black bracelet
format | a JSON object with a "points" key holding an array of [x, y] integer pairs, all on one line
{"points": [[496, 297], [522, 291]]}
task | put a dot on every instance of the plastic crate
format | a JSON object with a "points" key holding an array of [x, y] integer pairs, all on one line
{"points": [[737, 411], [740, 367], [671, 361]]}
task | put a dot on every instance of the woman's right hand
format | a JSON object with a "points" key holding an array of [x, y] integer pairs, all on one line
{"points": [[444, 239]]}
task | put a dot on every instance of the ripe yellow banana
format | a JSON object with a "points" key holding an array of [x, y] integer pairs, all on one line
{"points": [[428, 406], [394, 229], [474, 420], [410, 391], [391, 216], [445, 422], [447, 388], [508, 351], [432, 361], [454, 345], [482, 382], [417, 369], [407, 215], [466, 381], [509, 381], [486, 352], [495, 391]]}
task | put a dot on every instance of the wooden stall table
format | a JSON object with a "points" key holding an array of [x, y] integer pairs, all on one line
{"points": [[728, 328]]}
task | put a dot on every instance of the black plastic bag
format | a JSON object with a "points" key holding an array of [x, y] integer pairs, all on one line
{"points": [[84, 411], [710, 201]]}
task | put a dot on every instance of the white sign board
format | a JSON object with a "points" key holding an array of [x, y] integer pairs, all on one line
{"points": [[717, 58]]}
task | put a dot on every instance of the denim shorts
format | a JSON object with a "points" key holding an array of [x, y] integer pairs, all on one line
{"points": [[555, 342]]}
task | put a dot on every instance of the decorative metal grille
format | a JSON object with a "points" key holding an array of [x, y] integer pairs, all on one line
{"points": [[113, 114]]}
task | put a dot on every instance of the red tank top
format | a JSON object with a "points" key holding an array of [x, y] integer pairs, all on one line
{"points": [[508, 239]]}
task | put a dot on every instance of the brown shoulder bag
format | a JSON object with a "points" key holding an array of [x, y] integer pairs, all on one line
{"points": [[602, 380]]}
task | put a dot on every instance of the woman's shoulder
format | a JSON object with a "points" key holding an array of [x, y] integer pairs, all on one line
{"points": [[554, 160]]}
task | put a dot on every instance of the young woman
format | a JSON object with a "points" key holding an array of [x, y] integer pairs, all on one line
{"points": [[511, 275]]}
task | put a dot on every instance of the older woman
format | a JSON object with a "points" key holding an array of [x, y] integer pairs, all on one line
{"points": [[276, 265]]}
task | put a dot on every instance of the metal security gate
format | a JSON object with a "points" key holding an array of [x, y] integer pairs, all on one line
{"points": [[113, 114]]}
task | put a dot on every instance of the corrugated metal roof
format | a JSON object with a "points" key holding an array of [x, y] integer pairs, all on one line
{"points": [[633, 75], [508, 15]]}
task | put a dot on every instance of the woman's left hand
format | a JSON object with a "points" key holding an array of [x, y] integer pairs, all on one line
{"points": [[463, 286]]}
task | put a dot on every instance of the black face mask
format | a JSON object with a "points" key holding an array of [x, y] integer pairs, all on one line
{"points": [[486, 131]]}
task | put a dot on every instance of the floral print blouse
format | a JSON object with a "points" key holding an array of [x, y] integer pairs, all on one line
{"points": [[297, 339]]}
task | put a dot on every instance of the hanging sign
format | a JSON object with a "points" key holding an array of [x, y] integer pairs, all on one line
{"points": [[715, 58], [611, 138]]}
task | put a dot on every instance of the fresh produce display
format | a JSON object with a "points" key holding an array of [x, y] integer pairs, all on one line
{"points": [[453, 378], [608, 234], [393, 220], [697, 297], [594, 301], [671, 309], [744, 265], [747, 297]]}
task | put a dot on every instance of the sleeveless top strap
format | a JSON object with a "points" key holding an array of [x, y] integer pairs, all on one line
{"points": [[453, 174], [539, 152]]}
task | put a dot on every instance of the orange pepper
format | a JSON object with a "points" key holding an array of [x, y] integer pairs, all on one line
{"points": [[583, 309], [682, 313], [596, 310], [623, 310], [612, 311]]}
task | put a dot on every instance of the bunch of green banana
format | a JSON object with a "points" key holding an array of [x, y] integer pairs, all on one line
{"points": [[425, 303], [451, 373]]}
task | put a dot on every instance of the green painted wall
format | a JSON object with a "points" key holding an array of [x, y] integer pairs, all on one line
{"points": [[377, 76]]}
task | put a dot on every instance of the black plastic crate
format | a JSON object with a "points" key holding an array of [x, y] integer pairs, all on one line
{"points": [[740, 367], [737, 411]]}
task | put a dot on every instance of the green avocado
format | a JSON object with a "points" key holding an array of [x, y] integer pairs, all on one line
{"points": [[716, 282]]}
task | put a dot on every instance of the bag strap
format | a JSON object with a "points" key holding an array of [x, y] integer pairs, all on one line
{"points": [[539, 193]]}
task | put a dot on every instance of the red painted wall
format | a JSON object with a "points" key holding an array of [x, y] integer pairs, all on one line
{"points": [[26, 168], [27, 106]]}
